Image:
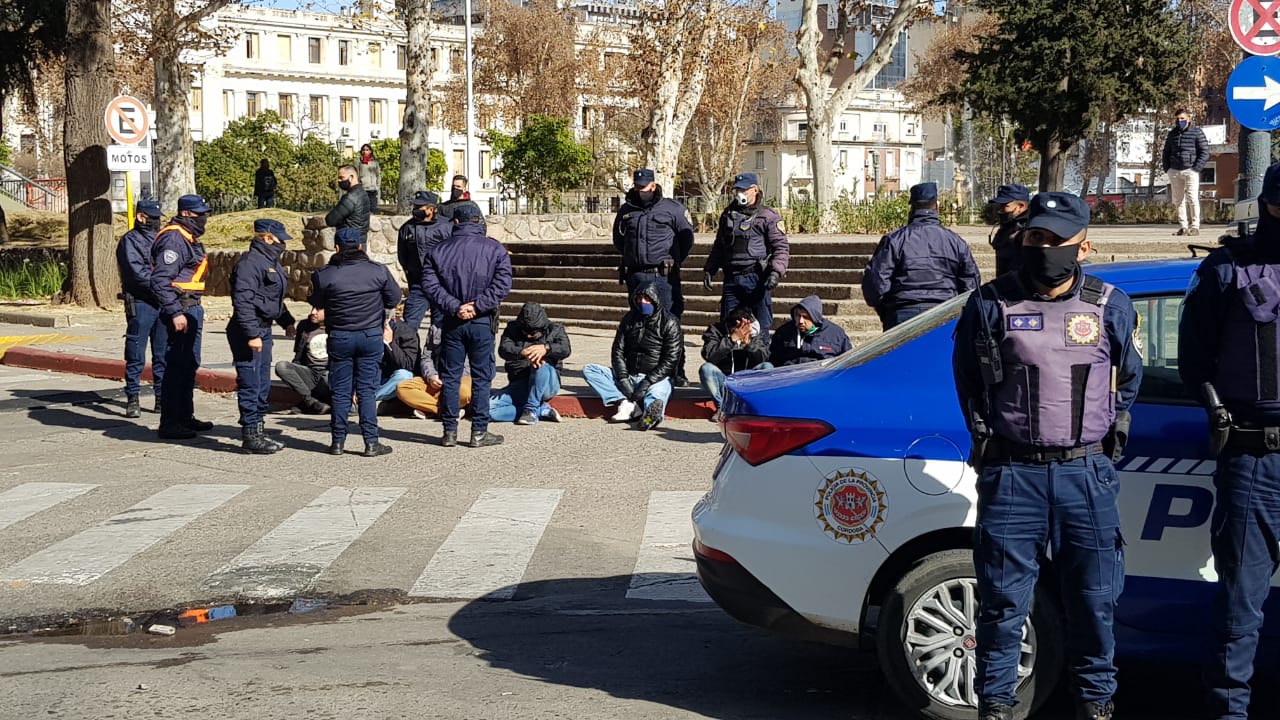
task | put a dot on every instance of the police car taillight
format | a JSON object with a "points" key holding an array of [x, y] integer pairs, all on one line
{"points": [[761, 439]]}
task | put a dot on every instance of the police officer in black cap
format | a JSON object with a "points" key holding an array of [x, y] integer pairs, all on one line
{"points": [[177, 280], [1227, 356], [354, 292], [142, 311], [1012, 203], [751, 247], [918, 265], [423, 231], [258, 287], [1046, 369]]}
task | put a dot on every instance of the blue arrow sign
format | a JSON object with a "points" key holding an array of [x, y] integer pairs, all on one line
{"points": [[1253, 93]]}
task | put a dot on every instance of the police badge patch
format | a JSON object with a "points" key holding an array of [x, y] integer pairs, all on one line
{"points": [[781, 228], [850, 506], [1083, 329], [169, 257], [1137, 337], [1028, 321]]}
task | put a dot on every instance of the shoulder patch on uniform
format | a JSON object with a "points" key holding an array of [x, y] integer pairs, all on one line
{"points": [[169, 257], [1137, 336], [1083, 329], [781, 228]]}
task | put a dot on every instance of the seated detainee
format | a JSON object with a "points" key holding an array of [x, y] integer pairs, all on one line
{"points": [[646, 349], [400, 353], [731, 346], [308, 373], [807, 337], [534, 349], [422, 393]]}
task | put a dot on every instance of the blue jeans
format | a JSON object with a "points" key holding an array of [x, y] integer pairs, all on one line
{"points": [[506, 406], [467, 342], [748, 289], [1245, 521], [355, 358], [144, 323], [182, 359], [415, 306], [253, 373], [895, 317], [712, 378], [387, 390], [600, 378], [1069, 507]]}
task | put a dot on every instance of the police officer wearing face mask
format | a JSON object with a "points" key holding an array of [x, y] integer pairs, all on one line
{"points": [[1012, 202], [1227, 356], [751, 247], [133, 257], [177, 281], [1046, 368], [417, 237], [258, 288]]}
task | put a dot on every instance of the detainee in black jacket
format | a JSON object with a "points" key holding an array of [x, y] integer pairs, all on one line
{"points": [[532, 327], [646, 346]]}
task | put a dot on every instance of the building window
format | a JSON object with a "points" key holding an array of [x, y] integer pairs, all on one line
{"points": [[435, 60], [402, 57], [759, 159], [344, 52], [844, 125], [377, 113], [486, 165], [802, 131], [251, 49], [911, 129], [253, 103], [288, 109], [401, 106], [284, 47], [459, 163], [1209, 175], [197, 99], [316, 108], [457, 59], [878, 130], [375, 55], [909, 160], [228, 103], [842, 160], [347, 110], [313, 50]]}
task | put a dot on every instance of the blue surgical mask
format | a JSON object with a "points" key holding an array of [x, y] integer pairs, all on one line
{"points": [[646, 309], [1182, 124]]}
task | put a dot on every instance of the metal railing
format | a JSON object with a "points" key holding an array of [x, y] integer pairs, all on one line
{"points": [[49, 196]]}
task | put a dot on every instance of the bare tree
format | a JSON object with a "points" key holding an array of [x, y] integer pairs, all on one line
{"points": [[90, 79], [820, 66], [414, 133]]}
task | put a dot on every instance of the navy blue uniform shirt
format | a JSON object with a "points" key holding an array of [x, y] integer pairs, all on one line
{"points": [[177, 257], [133, 257], [354, 292], [258, 288], [921, 262]]}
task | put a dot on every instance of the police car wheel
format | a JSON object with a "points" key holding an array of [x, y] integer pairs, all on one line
{"points": [[926, 642]]}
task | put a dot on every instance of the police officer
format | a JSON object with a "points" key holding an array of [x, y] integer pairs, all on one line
{"points": [[354, 292], [466, 278], [751, 247], [654, 236], [1227, 355], [1046, 368], [133, 257], [918, 265], [177, 280], [1011, 202], [258, 287], [423, 232]]}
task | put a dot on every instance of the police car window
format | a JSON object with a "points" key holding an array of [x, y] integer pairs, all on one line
{"points": [[906, 332], [1158, 342]]}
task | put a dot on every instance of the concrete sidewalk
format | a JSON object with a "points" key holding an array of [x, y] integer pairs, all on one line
{"points": [[91, 342]]}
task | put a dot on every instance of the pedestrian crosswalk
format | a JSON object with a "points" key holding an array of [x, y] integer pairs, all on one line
{"points": [[486, 554]]}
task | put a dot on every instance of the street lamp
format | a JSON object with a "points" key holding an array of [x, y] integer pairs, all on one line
{"points": [[875, 169]]}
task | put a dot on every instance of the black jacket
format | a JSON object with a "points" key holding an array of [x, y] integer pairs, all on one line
{"points": [[352, 211], [354, 292], [258, 289], [827, 340], [515, 338], [264, 183], [415, 240], [647, 233], [1006, 240], [719, 350], [307, 330], [446, 208], [646, 346], [403, 352], [1185, 149]]}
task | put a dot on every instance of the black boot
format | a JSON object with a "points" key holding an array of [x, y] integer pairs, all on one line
{"points": [[262, 433], [312, 406], [450, 439], [1096, 711], [484, 438], [132, 408], [997, 712], [198, 425], [253, 443]]}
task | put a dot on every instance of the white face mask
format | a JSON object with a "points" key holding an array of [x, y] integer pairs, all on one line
{"points": [[742, 199]]}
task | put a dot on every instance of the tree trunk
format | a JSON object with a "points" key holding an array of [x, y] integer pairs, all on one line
{"points": [[1053, 161], [414, 134], [90, 73], [823, 169], [174, 151], [679, 91]]}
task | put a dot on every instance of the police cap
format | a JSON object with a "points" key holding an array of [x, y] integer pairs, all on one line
{"points": [[1061, 213], [150, 208], [465, 212], [1011, 193], [348, 238], [1271, 186], [193, 203], [924, 192], [744, 181], [643, 177], [425, 198], [274, 227]]}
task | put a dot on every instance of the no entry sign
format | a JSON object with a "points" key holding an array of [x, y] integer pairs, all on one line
{"points": [[127, 120], [1255, 25]]}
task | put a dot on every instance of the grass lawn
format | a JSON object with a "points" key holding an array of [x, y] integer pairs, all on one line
{"points": [[232, 230]]}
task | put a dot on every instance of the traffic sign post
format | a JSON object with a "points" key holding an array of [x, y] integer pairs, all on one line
{"points": [[127, 120], [1255, 25], [1253, 92]]}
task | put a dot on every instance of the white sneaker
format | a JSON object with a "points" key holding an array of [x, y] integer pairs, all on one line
{"points": [[419, 414], [626, 411], [551, 414]]}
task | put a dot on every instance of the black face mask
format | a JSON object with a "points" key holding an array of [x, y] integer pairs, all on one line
{"points": [[152, 224], [200, 222], [344, 185], [420, 215], [645, 195], [1051, 266], [456, 194]]}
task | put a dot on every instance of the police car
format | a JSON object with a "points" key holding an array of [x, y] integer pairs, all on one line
{"points": [[842, 508]]}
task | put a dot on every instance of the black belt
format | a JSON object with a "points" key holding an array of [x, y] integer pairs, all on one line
{"points": [[753, 270], [188, 301], [651, 270], [1253, 440], [1002, 451]]}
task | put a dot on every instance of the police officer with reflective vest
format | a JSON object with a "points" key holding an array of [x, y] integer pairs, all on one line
{"points": [[177, 281], [1227, 356], [751, 247], [424, 230], [918, 265], [654, 236], [133, 257], [1011, 204], [1046, 369], [258, 286], [354, 292]]}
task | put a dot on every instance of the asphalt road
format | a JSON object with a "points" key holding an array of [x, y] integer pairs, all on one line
{"points": [[548, 578]]}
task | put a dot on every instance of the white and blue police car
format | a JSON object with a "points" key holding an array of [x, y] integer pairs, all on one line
{"points": [[842, 508]]}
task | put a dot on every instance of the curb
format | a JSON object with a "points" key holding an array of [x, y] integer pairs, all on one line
{"points": [[571, 406], [17, 317]]}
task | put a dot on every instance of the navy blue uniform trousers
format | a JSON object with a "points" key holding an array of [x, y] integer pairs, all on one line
{"points": [[253, 373], [182, 359], [748, 289], [355, 360], [415, 306], [463, 342], [144, 323], [1069, 508], [1246, 520]]}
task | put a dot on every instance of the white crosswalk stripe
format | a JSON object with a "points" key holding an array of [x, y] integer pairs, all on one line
{"points": [[490, 547], [87, 556], [289, 558], [665, 566], [28, 499]]}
